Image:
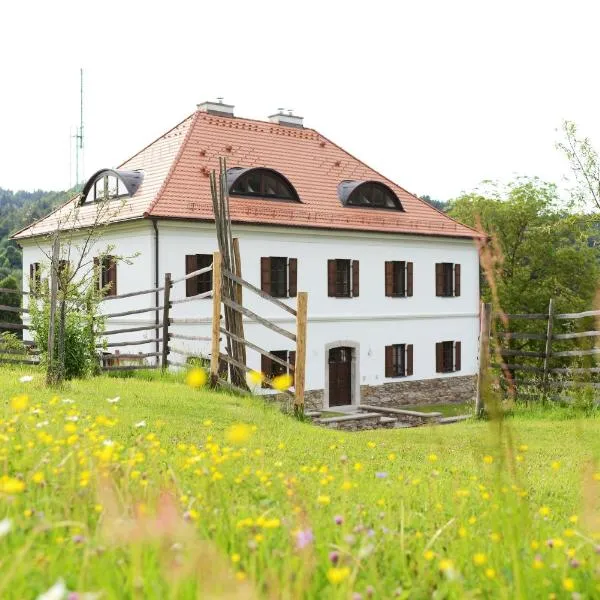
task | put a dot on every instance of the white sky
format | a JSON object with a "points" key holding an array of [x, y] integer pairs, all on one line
{"points": [[437, 95]]}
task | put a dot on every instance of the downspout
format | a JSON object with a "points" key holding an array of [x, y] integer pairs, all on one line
{"points": [[156, 294]]}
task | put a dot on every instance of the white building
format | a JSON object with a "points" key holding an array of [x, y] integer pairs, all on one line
{"points": [[393, 284]]}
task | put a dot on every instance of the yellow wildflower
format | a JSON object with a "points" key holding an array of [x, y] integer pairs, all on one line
{"points": [[255, 377], [20, 403], [490, 573], [446, 564], [432, 457], [235, 558], [282, 382], [337, 574], [196, 378], [428, 555], [479, 558], [10, 485], [555, 465], [324, 500], [38, 477], [488, 460], [238, 434], [544, 511], [568, 584]]}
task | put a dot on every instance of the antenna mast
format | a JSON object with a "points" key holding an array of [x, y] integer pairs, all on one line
{"points": [[79, 133]]}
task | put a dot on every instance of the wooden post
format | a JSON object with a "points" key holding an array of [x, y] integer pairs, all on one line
{"points": [[50, 373], [216, 319], [300, 366], [484, 355], [548, 349], [165, 327], [237, 259]]}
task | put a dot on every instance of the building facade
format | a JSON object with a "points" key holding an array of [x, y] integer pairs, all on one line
{"points": [[393, 284]]}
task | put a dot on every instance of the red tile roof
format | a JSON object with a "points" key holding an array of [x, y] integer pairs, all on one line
{"points": [[176, 182]]}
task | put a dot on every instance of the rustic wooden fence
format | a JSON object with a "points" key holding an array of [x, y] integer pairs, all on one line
{"points": [[540, 355], [121, 356], [22, 352]]}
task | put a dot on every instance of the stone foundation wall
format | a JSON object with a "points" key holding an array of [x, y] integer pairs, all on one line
{"points": [[398, 394], [358, 425], [424, 391]]}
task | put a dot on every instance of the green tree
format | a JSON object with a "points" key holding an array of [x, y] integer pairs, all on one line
{"points": [[543, 251]]}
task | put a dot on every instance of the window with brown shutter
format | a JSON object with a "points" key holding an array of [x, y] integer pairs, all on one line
{"points": [[272, 369], [398, 360], [343, 278], [63, 273], [105, 269], [35, 276], [447, 357], [398, 278], [199, 284], [279, 276], [447, 279]]}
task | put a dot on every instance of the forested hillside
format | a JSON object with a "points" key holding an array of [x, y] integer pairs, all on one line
{"points": [[17, 209]]}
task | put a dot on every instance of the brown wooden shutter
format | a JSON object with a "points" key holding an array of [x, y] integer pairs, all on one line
{"points": [[266, 368], [457, 280], [439, 357], [439, 279], [389, 278], [331, 271], [97, 272], [409, 279], [112, 275], [265, 274], [355, 279], [191, 284], [457, 348], [409, 359], [32, 271], [293, 277], [389, 361]]}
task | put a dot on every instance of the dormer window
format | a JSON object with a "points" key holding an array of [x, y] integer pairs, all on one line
{"points": [[107, 184], [260, 183], [371, 194]]}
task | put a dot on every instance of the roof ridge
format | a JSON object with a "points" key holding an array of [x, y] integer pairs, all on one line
{"points": [[394, 183], [156, 140], [164, 184]]}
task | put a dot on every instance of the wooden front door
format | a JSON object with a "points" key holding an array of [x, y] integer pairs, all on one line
{"points": [[340, 376]]}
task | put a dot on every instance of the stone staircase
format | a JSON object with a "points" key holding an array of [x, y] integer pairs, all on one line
{"points": [[379, 417]]}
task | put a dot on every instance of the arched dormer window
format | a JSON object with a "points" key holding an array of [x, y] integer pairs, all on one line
{"points": [[107, 184], [260, 183], [372, 194]]}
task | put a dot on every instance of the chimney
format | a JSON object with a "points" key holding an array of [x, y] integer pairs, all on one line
{"points": [[289, 119], [216, 108]]}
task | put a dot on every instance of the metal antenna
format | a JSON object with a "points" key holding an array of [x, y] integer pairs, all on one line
{"points": [[220, 99], [79, 132]]}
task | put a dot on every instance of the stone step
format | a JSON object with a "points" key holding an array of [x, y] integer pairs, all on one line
{"points": [[314, 414], [359, 416], [388, 420], [400, 411], [455, 419]]}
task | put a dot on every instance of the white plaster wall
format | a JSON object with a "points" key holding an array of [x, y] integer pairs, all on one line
{"points": [[372, 320]]}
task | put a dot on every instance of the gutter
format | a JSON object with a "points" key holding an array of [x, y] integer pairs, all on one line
{"points": [[156, 285]]}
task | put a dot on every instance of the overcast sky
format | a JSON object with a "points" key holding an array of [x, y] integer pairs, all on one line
{"points": [[437, 95]]}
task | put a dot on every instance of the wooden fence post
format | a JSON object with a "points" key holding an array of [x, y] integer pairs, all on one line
{"points": [[484, 354], [165, 327], [50, 373], [300, 366], [548, 349], [216, 319]]}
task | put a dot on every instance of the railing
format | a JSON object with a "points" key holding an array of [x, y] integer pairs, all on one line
{"points": [[10, 353]]}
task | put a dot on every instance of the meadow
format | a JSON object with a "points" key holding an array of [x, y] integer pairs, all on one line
{"points": [[124, 488]]}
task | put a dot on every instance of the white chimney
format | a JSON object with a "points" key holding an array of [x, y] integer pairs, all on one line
{"points": [[289, 119], [216, 108]]}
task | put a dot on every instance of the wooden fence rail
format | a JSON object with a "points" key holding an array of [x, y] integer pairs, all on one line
{"points": [[551, 352]]}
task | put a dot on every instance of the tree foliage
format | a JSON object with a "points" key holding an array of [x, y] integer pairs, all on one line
{"points": [[542, 250]]}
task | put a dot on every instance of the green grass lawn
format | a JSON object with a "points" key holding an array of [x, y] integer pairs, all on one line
{"points": [[172, 492]]}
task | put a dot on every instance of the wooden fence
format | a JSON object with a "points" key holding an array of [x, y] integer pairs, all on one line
{"points": [[16, 353], [548, 353], [119, 356]]}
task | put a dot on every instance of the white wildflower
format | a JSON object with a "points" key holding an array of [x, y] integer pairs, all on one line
{"points": [[113, 400], [26, 378], [68, 401], [108, 443], [57, 592], [5, 527], [41, 424], [140, 424], [73, 418]]}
